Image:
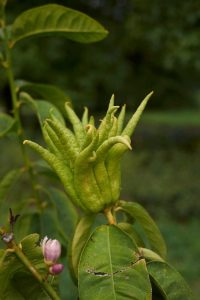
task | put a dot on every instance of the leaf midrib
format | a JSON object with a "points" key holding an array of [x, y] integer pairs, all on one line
{"points": [[51, 31], [110, 259]]}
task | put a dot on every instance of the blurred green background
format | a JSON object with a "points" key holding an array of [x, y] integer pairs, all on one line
{"points": [[152, 45]]}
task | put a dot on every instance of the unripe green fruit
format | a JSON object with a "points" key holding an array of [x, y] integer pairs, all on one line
{"points": [[88, 159]]}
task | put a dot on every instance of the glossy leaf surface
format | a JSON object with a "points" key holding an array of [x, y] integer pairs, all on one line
{"points": [[169, 281], [53, 19], [110, 269], [48, 92], [150, 228], [43, 109], [128, 228], [150, 255]]}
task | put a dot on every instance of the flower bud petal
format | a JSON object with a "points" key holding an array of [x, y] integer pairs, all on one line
{"points": [[56, 269], [51, 250]]}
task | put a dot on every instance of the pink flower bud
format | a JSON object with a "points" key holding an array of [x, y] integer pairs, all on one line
{"points": [[51, 250], [56, 269]]}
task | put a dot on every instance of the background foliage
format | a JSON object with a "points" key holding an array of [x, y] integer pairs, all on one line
{"points": [[152, 45]]}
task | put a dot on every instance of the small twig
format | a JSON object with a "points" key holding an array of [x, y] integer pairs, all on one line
{"points": [[46, 286], [108, 213], [8, 239], [13, 220]]}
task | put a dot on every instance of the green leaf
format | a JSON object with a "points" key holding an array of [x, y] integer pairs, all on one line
{"points": [[150, 228], [169, 281], [150, 255], [32, 249], [16, 282], [128, 228], [48, 92], [66, 212], [59, 217], [53, 19], [109, 268], [8, 181], [67, 288], [32, 290], [6, 124], [43, 109], [81, 236]]}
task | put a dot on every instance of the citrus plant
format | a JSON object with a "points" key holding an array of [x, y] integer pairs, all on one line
{"points": [[121, 255]]}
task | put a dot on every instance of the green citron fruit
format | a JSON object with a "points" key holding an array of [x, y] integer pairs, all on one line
{"points": [[87, 159]]}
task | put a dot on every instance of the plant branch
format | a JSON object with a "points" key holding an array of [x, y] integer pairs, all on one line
{"points": [[46, 286], [110, 217], [14, 248]]}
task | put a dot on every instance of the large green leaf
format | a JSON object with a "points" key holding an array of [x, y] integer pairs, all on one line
{"points": [[150, 255], [109, 268], [6, 124], [16, 282], [81, 236], [53, 19], [128, 228], [59, 217], [43, 109], [48, 92], [151, 230], [169, 281]]}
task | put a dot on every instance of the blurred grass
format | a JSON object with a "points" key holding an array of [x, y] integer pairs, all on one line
{"points": [[166, 181], [183, 118], [183, 249], [162, 173]]}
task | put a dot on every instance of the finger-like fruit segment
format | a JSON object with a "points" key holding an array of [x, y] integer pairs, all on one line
{"points": [[88, 160]]}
